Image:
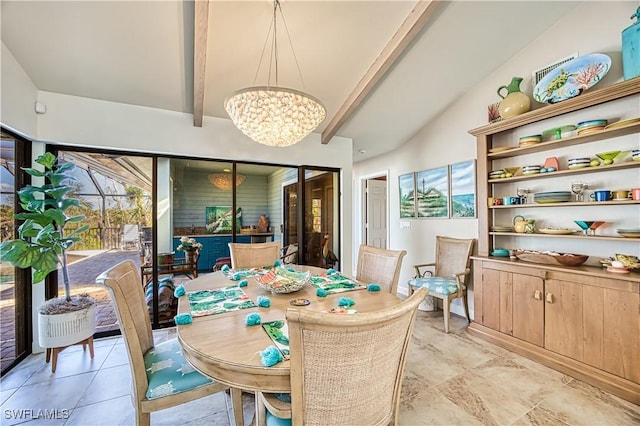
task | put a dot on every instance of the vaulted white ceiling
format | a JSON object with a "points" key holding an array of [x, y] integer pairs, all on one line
{"points": [[142, 53]]}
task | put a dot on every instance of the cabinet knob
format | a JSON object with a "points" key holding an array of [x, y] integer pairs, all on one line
{"points": [[549, 298], [537, 295]]}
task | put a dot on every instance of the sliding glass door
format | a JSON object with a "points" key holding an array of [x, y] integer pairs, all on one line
{"points": [[15, 283]]}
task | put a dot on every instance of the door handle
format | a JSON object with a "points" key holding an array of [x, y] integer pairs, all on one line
{"points": [[549, 298], [537, 295]]}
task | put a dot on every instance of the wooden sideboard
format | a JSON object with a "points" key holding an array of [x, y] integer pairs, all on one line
{"points": [[582, 321]]}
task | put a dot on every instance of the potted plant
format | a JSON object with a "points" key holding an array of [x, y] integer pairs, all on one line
{"points": [[190, 246], [42, 245]]}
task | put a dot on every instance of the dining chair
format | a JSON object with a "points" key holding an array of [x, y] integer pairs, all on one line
{"points": [[345, 369], [161, 376], [290, 254], [254, 255], [380, 266], [448, 278]]}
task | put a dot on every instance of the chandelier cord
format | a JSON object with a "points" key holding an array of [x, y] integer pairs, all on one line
{"points": [[273, 54], [284, 22]]}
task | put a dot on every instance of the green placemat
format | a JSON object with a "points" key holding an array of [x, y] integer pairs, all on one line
{"points": [[335, 283], [218, 301]]}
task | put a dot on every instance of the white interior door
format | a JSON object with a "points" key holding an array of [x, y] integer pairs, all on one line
{"points": [[376, 213]]}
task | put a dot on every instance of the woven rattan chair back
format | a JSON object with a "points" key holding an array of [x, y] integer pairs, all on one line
{"points": [[348, 369], [380, 266], [123, 284], [254, 255], [452, 255]]}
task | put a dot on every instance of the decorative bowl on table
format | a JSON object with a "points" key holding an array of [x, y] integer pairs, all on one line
{"points": [[282, 280], [551, 257]]}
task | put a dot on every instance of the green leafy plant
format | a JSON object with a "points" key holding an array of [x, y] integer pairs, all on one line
{"points": [[42, 243]]}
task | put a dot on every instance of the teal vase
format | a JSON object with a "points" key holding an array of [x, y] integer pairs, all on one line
{"points": [[631, 49]]}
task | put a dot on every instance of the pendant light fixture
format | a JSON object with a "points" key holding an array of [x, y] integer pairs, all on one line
{"points": [[224, 181], [272, 115]]}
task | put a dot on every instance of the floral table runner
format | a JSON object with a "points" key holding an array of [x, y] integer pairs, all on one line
{"points": [[218, 301], [335, 283]]}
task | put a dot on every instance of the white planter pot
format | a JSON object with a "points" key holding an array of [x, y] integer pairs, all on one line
{"points": [[57, 331]]}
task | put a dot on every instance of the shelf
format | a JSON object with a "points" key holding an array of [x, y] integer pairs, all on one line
{"points": [[578, 236], [568, 141], [601, 168], [570, 204], [587, 99]]}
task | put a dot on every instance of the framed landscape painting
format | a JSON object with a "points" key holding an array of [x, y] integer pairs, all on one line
{"points": [[463, 189], [432, 193], [407, 186]]}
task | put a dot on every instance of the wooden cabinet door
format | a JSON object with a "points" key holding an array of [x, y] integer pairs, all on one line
{"points": [[563, 332], [506, 302], [491, 298], [528, 308], [622, 334]]}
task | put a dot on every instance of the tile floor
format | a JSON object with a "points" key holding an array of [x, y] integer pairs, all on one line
{"points": [[453, 379]]}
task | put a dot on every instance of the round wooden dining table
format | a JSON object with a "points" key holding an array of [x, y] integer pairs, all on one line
{"points": [[224, 347]]}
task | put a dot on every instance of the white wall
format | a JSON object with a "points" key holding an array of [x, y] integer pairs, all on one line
{"points": [[446, 140], [18, 95]]}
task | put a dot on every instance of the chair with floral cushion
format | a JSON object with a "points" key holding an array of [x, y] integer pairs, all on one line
{"points": [[161, 376], [344, 371], [448, 280]]}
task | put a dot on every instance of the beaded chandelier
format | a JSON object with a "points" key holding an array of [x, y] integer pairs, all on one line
{"points": [[223, 180], [272, 115]]}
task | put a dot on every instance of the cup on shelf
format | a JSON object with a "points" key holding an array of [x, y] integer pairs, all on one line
{"points": [[601, 195], [497, 201], [635, 193], [621, 194], [511, 201]]}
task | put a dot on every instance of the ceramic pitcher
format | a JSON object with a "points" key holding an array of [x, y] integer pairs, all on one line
{"points": [[514, 102]]}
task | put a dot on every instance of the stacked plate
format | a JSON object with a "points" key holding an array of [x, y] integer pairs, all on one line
{"points": [[578, 162], [635, 155], [629, 233], [552, 197], [495, 174], [529, 140], [586, 127], [500, 228], [531, 170]]}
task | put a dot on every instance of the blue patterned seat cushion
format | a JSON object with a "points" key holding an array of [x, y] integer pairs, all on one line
{"points": [[438, 285], [168, 372], [277, 421]]}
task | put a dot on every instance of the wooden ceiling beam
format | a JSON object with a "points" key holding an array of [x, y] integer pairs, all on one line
{"points": [[412, 26], [200, 33]]}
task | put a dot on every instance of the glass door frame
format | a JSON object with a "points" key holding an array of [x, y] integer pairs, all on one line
{"points": [[23, 324]]}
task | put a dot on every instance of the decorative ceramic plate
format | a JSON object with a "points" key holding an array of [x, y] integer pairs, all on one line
{"points": [[572, 78], [623, 123], [554, 231]]}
